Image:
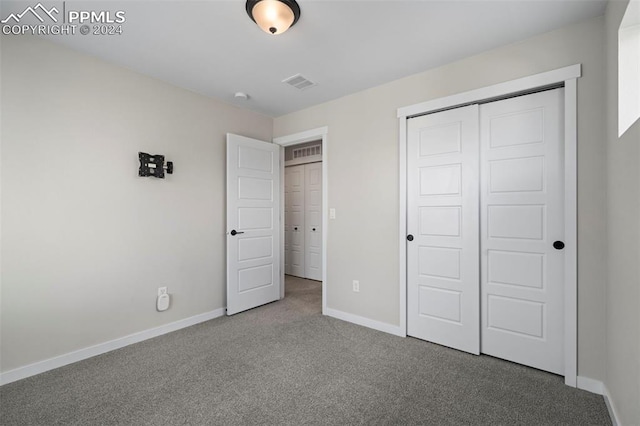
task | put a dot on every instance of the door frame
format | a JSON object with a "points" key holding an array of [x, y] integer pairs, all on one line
{"points": [[563, 77], [295, 139]]}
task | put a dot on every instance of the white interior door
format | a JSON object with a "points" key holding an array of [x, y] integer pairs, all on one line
{"points": [[313, 221], [253, 223], [295, 222], [442, 207], [522, 215]]}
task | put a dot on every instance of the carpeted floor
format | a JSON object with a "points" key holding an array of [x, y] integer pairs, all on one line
{"points": [[285, 363]]}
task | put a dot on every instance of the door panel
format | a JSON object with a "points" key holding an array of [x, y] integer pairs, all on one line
{"points": [[296, 220], [313, 221], [443, 201], [287, 221], [253, 212], [522, 202]]}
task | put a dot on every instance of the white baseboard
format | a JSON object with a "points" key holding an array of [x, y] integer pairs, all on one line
{"points": [[596, 386], [615, 419], [101, 348], [590, 385], [365, 322]]}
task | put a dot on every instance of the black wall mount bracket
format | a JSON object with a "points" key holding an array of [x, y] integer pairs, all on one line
{"points": [[153, 165]]}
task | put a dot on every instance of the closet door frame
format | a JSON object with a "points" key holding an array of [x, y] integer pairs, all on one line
{"points": [[563, 77], [320, 133]]}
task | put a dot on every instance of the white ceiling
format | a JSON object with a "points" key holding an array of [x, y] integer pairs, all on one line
{"points": [[213, 48]]}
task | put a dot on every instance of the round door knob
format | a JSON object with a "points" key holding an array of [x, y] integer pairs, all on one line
{"points": [[558, 245], [409, 237], [295, 228], [313, 229]]}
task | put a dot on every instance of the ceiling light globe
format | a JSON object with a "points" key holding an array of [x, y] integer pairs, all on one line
{"points": [[273, 16]]}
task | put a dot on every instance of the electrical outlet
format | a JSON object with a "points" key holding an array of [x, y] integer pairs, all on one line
{"points": [[356, 286], [162, 290]]}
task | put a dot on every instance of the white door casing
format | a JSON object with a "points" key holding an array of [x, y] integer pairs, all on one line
{"points": [[442, 215], [313, 221], [253, 215], [522, 215]]}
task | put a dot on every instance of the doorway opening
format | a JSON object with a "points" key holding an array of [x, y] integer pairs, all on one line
{"points": [[304, 200], [303, 210], [305, 294]]}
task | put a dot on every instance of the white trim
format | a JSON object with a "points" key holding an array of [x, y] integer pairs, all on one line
{"points": [[500, 89], [599, 388], [570, 232], [304, 160], [590, 385], [101, 348], [613, 413], [302, 137], [282, 177], [402, 149], [366, 322], [566, 76], [294, 139], [325, 215]]}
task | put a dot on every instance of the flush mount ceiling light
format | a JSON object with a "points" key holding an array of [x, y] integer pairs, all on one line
{"points": [[273, 16]]}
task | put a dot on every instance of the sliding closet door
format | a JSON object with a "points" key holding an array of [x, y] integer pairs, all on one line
{"points": [[313, 221], [522, 221], [443, 246], [294, 223], [287, 220]]}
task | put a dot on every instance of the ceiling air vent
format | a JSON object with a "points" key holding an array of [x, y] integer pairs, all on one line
{"points": [[299, 82]]}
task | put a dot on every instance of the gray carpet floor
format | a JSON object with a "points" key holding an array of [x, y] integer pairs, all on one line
{"points": [[285, 363]]}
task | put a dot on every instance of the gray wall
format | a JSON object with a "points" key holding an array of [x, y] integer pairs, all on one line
{"points": [[363, 174], [623, 214], [85, 241]]}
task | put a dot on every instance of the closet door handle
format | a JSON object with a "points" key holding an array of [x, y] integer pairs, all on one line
{"points": [[313, 229], [295, 228], [234, 232], [558, 245], [409, 237]]}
